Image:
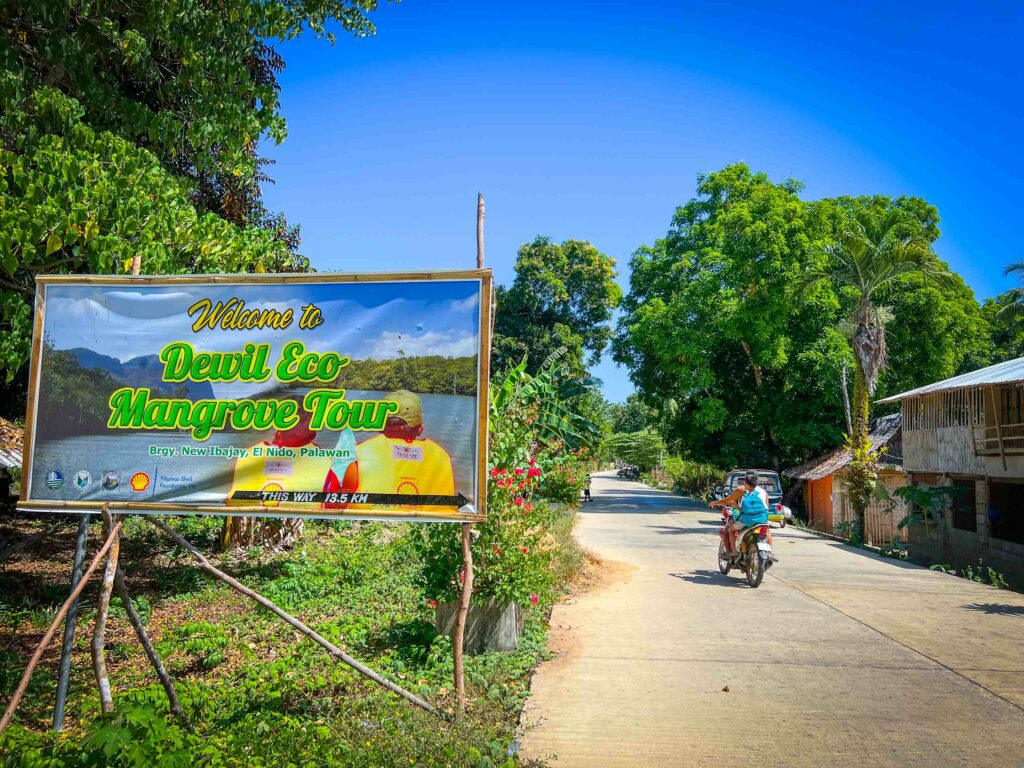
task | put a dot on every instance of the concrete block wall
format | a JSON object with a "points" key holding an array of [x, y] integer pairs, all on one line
{"points": [[950, 546]]}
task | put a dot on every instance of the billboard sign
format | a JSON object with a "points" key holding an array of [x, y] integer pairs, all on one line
{"points": [[276, 395]]}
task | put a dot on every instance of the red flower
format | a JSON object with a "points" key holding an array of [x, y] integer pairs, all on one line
{"points": [[525, 550], [522, 486], [495, 472], [519, 470], [534, 599], [528, 507], [432, 603], [534, 472], [533, 462], [519, 501]]}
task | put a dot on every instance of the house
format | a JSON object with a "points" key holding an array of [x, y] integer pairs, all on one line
{"points": [[968, 432], [828, 505], [10, 460]]}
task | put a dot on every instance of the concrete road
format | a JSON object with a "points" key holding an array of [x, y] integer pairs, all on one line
{"points": [[840, 658]]}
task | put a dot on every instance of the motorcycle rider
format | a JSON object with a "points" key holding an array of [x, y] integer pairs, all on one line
{"points": [[752, 501]]}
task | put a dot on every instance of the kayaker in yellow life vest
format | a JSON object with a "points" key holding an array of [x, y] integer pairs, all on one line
{"points": [[398, 460], [278, 465]]}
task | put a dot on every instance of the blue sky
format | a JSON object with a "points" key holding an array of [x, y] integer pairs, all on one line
{"points": [[591, 121], [361, 320]]}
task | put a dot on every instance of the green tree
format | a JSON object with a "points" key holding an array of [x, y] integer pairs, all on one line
{"points": [[1007, 330], [128, 130], [562, 296], [711, 326], [872, 252], [632, 416], [643, 449]]}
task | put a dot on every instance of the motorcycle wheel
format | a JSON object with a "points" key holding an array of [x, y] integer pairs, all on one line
{"points": [[783, 523], [724, 563], [755, 569]]}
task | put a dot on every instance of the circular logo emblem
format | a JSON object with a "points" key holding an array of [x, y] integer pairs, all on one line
{"points": [[82, 480], [139, 482], [110, 480], [408, 488], [54, 479], [272, 487]]}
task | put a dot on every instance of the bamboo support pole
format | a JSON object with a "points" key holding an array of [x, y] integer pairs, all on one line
{"points": [[19, 692], [99, 632], [64, 669], [147, 645], [458, 641], [465, 597], [336, 652]]}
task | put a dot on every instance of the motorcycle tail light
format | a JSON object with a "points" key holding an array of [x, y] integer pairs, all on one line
{"points": [[762, 531], [778, 507]]}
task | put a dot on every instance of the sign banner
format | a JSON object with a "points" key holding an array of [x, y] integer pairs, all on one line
{"points": [[275, 395]]}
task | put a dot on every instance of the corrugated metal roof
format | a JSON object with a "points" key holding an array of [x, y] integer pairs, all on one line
{"points": [[1010, 372], [885, 432], [10, 444]]}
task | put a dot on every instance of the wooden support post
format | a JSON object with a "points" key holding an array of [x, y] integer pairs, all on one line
{"points": [[458, 641], [19, 692], [999, 425], [64, 671], [99, 632], [151, 654], [336, 652], [466, 596]]}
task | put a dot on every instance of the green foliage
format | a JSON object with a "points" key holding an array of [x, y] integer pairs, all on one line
{"points": [[129, 129], [277, 699], [632, 416], [694, 477], [924, 503], [533, 413], [564, 478], [562, 297], [712, 322], [642, 449], [983, 574]]}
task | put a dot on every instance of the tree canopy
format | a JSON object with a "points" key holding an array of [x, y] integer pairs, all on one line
{"points": [[711, 321], [129, 129], [562, 297]]}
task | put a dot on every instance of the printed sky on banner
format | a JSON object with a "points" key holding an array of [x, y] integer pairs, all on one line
{"points": [[362, 320]]}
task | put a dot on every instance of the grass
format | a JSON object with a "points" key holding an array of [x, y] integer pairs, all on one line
{"points": [[256, 692]]}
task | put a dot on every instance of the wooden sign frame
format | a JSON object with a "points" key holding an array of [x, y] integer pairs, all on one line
{"points": [[485, 278]]}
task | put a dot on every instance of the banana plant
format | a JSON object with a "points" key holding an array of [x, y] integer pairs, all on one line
{"points": [[528, 412]]}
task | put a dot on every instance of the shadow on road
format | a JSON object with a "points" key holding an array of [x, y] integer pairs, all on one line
{"points": [[670, 530], [1001, 609], [709, 577]]}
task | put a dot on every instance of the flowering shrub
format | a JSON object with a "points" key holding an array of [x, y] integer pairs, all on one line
{"points": [[511, 553], [565, 478]]}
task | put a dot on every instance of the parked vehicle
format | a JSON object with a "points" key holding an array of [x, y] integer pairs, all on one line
{"points": [[754, 552], [767, 479]]}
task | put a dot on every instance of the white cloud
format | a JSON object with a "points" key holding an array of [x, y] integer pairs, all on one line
{"points": [[468, 304], [392, 344]]}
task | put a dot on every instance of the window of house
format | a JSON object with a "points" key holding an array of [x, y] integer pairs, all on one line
{"points": [[962, 503], [1006, 511]]}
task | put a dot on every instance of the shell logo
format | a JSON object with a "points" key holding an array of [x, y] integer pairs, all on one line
{"points": [[408, 488], [272, 487], [139, 482]]}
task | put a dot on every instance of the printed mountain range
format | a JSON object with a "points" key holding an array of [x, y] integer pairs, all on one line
{"points": [[142, 371]]}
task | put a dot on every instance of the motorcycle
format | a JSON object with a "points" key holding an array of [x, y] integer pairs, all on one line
{"points": [[754, 552]]}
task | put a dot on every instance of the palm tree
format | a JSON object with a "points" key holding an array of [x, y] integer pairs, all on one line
{"points": [[1014, 308], [871, 253]]}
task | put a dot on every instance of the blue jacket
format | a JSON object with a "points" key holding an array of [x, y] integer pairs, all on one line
{"points": [[752, 510]]}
